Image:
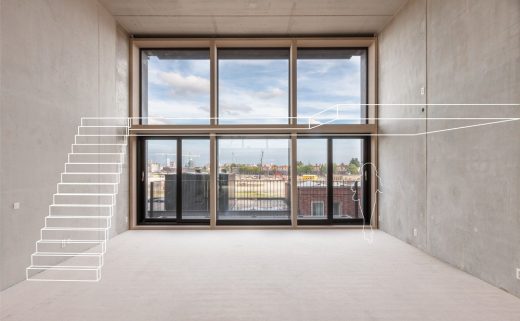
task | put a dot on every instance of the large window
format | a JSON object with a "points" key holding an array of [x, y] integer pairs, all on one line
{"points": [[253, 86], [253, 180], [175, 86], [331, 85], [222, 122]]}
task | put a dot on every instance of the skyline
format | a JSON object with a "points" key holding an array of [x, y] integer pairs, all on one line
{"points": [[249, 150]]}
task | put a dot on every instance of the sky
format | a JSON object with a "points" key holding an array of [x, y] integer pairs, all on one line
{"points": [[251, 91], [249, 151], [178, 89], [196, 150], [325, 83]]}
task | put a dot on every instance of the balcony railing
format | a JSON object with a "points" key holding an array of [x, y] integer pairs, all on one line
{"points": [[252, 197]]}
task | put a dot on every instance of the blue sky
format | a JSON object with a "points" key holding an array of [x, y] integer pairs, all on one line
{"points": [[178, 89], [325, 83], [252, 91]]}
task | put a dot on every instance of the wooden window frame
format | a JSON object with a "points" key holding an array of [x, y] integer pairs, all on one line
{"points": [[213, 130]]}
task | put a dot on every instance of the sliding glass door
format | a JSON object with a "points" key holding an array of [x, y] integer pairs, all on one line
{"points": [[331, 180], [175, 175], [252, 182]]}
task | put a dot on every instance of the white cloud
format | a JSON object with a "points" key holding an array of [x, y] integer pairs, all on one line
{"points": [[244, 106], [193, 112], [271, 93], [228, 108], [330, 77], [184, 85]]}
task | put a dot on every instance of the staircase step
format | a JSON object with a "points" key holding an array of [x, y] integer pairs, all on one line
{"points": [[96, 158], [88, 188], [92, 168], [75, 234], [69, 247], [102, 130], [107, 121], [78, 221], [77, 228], [100, 139], [80, 210], [92, 199], [88, 260], [89, 177], [36, 273], [96, 148]]}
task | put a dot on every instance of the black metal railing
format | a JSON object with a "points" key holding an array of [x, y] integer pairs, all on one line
{"points": [[249, 196]]}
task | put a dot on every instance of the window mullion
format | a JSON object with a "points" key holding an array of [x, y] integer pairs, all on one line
{"points": [[293, 84], [213, 83]]}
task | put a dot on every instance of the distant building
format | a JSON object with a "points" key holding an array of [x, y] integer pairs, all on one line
{"points": [[312, 200], [154, 167]]}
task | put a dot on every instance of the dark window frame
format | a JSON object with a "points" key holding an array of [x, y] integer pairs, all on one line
{"points": [[365, 158], [142, 179]]}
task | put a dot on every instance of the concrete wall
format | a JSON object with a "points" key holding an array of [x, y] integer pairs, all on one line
{"points": [[460, 190], [61, 60]]}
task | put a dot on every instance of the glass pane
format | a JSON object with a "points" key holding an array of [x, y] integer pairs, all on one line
{"points": [[348, 188], [327, 77], [161, 179], [253, 86], [175, 86], [195, 179], [253, 180], [312, 178]]}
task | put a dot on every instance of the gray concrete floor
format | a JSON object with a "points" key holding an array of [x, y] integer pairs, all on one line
{"points": [[263, 275]]}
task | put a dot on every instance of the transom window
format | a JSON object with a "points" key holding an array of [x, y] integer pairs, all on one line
{"points": [[253, 86], [331, 85], [175, 86]]}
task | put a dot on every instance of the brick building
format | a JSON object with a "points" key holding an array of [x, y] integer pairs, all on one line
{"points": [[312, 200]]}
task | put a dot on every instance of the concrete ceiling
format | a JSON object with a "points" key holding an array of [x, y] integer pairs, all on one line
{"points": [[253, 17]]}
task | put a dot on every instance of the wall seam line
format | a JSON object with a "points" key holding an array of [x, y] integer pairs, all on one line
{"points": [[426, 127]]}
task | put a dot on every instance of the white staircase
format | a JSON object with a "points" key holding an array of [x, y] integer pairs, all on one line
{"points": [[73, 241]]}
